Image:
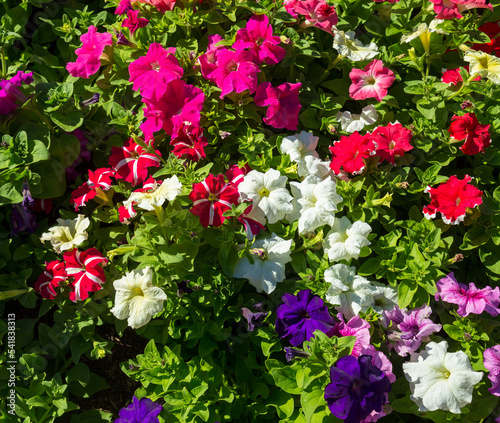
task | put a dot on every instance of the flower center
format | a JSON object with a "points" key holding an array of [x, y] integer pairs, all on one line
{"points": [[155, 66], [232, 66], [134, 155], [483, 62], [260, 41], [138, 291], [212, 197], [392, 144], [259, 252], [370, 80], [446, 374], [458, 200], [264, 192]]}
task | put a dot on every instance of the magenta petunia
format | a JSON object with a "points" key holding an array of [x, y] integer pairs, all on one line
{"points": [[123, 7], [10, 94], [235, 72], [258, 37], [283, 102], [152, 73], [469, 299], [162, 5], [371, 82], [453, 9], [89, 54], [357, 327], [133, 22], [491, 357], [208, 60], [316, 12]]}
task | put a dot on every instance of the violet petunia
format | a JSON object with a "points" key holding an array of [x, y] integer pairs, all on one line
{"points": [[23, 218], [140, 411], [254, 319], [491, 358], [469, 300], [300, 315]]}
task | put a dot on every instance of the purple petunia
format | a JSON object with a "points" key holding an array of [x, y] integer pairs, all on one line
{"points": [[491, 358], [357, 388], [254, 319], [140, 411], [300, 316], [409, 328]]}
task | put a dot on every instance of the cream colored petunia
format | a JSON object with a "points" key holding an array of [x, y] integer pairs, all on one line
{"points": [[484, 65], [69, 234]]}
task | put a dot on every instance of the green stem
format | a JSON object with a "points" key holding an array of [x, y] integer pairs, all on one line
{"points": [[4, 64]]}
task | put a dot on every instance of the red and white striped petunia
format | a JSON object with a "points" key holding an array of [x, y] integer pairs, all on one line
{"points": [[85, 267], [131, 162], [98, 181], [50, 279]]}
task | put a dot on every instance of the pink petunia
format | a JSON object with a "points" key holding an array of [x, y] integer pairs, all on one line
{"points": [[283, 102], [180, 103], [357, 327], [392, 141], [235, 72], [98, 181], [131, 162], [258, 37], [208, 60], [349, 153], [469, 299], [491, 358], [10, 94], [317, 13], [372, 82], [152, 73], [89, 54], [123, 7], [162, 5], [85, 268], [476, 135], [453, 9], [452, 199], [51, 278], [133, 22], [189, 142]]}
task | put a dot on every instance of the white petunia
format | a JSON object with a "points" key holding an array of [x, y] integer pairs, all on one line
{"points": [[351, 123], [440, 380], [346, 239], [268, 192], [311, 165], [348, 46], [349, 293], [385, 297], [317, 200], [270, 256], [148, 200], [299, 146], [70, 233], [484, 65], [424, 33], [136, 298]]}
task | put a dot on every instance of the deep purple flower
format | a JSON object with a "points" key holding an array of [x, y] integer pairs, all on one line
{"points": [[357, 388], [409, 328], [291, 353], [491, 358], [300, 316], [94, 99], [253, 319], [469, 300], [140, 411], [23, 218], [121, 40]]}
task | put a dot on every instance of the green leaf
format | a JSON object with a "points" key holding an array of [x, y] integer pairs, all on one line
{"points": [[284, 375], [310, 402], [68, 122], [474, 238], [406, 290]]}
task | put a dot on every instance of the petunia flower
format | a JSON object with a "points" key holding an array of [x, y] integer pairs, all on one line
{"points": [[140, 411], [268, 268], [152, 73], [89, 54], [384, 298], [211, 198], [357, 327], [283, 102], [155, 193], [440, 380], [137, 299], [423, 31], [353, 122], [453, 9], [349, 153], [371, 82], [10, 94], [451, 199], [392, 141], [491, 358], [68, 234], [98, 182], [357, 388], [317, 13], [346, 239], [299, 146], [162, 5], [258, 37], [300, 315], [123, 7], [133, 22], [476, 135], [408, 329], [51, 278], [189, 142], [85, 267], [469, 299], [492, 30], [254, 319], [208, 60], [484, 65], [348, 46], [22, 218]]}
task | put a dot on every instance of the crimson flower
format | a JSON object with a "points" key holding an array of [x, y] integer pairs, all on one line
{"points": [[85, 267], [211, 198], [283, 102], [54, 274], [491, 29], [477, 136], [317, 13], [131, 162], [350, 153], [133, 22], [236, 174], [451, 199], [189, 142], [98, 181], [392, 141], [373, 81]]}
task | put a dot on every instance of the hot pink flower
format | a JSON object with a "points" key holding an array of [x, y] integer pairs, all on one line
{"points": [[469, 300], [477, 136], [373, 81], [290, 6], [452, 9], [317, 13], [208, 61], [452, 198], [85, 267], [189, 142], [89, 54], [491, 360], [123, 7], [161, 5], [131, 162], [258, 37], [133, 22], [10, 95], [235, 72], [152, 73], [357, 327], [54, 274], [180, 103], [98, 181], [211, 198], [350, 153], [392, 141], [283, 102]]}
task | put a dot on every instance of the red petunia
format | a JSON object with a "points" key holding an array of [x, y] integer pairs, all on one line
{"points": [[50, 279], [451, 199], [392, 141], [131, 162], [477, 136], [211, 198], [98, 181], [236, 174], [85, 267], [189, 142], [492, 30], [350, 153]]}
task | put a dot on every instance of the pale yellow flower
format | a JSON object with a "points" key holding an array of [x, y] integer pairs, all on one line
{"points": [[484, 65], [70, 233]]}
